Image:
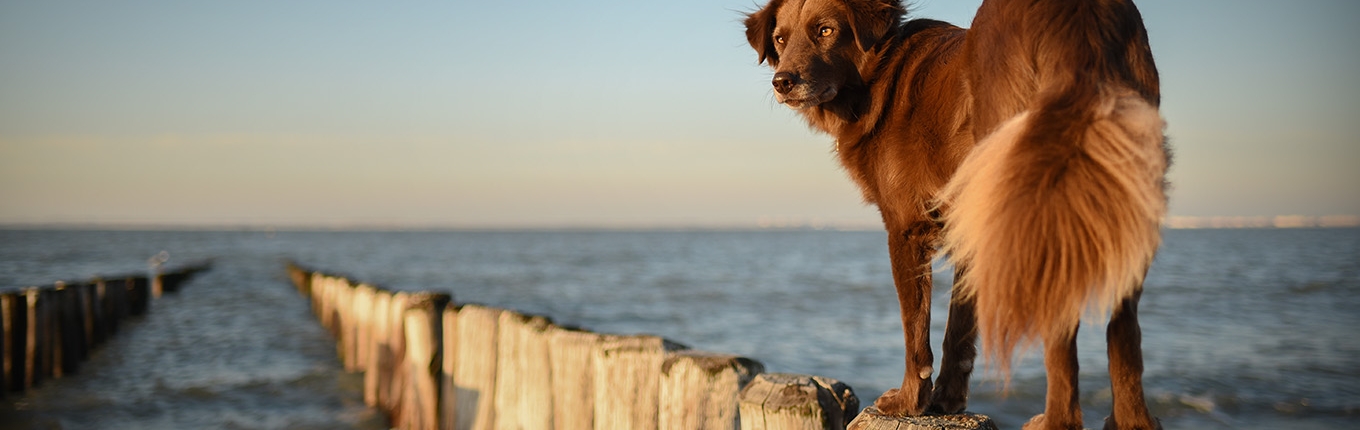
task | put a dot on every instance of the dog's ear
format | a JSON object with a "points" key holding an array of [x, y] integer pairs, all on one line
{"points": [[872, 19], [760, 31]]}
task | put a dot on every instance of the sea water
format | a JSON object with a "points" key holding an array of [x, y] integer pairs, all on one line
{"points": [[1251, 329]]}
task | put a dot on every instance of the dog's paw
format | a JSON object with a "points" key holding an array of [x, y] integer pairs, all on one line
{"points": [[1110, 424], [946, 404], [1040, 422], [895, 402]]}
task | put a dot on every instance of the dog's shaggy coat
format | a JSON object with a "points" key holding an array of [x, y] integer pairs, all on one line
{"points": [[1029, 148]]}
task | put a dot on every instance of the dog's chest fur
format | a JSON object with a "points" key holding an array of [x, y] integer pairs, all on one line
{"points": [[903, 133]]}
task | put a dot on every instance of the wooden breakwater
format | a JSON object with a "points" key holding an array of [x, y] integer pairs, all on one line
{"points": [[432, 363], [47, 331]]}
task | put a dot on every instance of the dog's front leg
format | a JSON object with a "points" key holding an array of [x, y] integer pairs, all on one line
{"points": [[957, 353], [909, 247]]}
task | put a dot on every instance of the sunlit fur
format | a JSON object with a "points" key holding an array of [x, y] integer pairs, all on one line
{"points": [[1049, 235]]}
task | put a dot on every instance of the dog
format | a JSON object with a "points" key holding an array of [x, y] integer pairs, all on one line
{"points": [[1028, 148]]}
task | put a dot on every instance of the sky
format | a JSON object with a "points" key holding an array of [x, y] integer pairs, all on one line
{"points": [[596, 113]]}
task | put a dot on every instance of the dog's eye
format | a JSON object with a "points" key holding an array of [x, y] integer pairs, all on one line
{"points": [[779, 40], [828, 31]]}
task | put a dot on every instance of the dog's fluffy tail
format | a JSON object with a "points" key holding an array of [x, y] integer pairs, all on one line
{"points": [[1056, 215]]}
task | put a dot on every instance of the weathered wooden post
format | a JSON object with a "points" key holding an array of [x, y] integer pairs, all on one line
{"points": [[139, 295], [782, 401], [14, 317], [573, 377], [70, 331], [78, 336], [115, 302], [52, 315], [106, 324], [379, 351], [474, 373], [90, 316], [393, 387], [423, 321], [361, 310], [448, 390], [329, 298], [6, 344], [343, 298], [302, 279], [701, 390], [157, 282], [628, 381], [523, 397], [319, 288], [318, 301], [326, 304], [872, 419], [34, 338]]}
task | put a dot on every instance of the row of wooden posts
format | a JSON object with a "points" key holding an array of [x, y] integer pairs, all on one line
{"points": [[49, 330], [433, 364]]}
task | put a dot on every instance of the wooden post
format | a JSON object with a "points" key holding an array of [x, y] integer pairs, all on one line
{"points": [[318, 285], [448, 390], [361, 310], [302, 279], [318, 299], [105, 324], [34, 338], [700, 390], [55, 341], [524, 392], [343, 301], [14, 319], [423, 322], [83, 333], [51, 335], [474, 373], [872, 419], [5, 343], [573, 377], [90, 316], [70, 331], [781, 401], [391, 376], [379, 352], [139, 295], [627, 382], [157, 282], [327, 305], [115, 302]]}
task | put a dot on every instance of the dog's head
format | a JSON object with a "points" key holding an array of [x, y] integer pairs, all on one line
{"points": [[815, 46]]}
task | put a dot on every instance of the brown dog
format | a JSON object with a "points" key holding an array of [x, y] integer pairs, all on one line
{"points": [[1029, 148]]}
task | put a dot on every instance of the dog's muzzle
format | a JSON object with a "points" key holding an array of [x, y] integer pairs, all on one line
{"points": [[791, 90], [784, 81]]}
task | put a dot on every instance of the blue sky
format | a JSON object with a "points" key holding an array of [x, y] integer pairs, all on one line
{"points": [[589, 113]]}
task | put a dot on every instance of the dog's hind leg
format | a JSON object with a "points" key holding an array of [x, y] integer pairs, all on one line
{"points": [[1062, 405], [1123, 340], [910, 248], [958, 353]]}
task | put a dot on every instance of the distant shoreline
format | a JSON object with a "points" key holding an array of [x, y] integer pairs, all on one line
{"points": [[1282, 221]]}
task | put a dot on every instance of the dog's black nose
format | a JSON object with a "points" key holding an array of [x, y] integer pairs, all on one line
{"points": [[784, 81]]}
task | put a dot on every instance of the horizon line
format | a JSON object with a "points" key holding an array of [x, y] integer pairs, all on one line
{"points": [[1170, 222]]}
